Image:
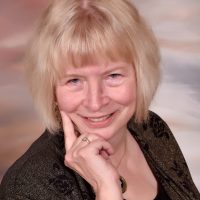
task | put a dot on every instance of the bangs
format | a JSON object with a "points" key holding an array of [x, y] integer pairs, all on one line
{"points": [[91, 40]]}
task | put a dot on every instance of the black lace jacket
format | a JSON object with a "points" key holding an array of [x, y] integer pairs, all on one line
{"points": [[40, 173]]}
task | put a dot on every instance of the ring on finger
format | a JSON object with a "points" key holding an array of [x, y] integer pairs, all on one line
{"points": [[85, 139]]}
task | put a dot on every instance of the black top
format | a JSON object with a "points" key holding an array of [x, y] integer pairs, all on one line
{"points": [[40, 174], [162, 195]]}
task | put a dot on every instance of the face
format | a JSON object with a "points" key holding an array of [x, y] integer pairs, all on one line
{"points": [[98, 99]]}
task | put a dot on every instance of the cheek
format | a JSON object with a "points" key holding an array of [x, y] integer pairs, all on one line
{"points": [[126, 95], [129, 96], [67, 102]]}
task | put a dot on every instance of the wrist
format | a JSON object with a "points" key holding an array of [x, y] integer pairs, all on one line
{"points": [[110, 190]]}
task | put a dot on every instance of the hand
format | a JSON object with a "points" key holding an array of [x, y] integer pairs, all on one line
{"points": [[91, 160]]}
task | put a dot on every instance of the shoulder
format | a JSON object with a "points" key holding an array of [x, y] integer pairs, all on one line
{"points": [[154, 131], [164, 156], [155, 137], [162, 143], [39, 172]]}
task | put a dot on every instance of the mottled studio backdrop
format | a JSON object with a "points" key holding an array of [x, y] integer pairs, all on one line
{"points": [[177, 26]]}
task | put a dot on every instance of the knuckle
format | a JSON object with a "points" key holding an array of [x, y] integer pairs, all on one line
{"points": [[81, 153], [99, 141], [97, 137], [68, 159]]}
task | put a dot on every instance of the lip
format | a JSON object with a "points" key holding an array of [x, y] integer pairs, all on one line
{"points": [[100, 121]]}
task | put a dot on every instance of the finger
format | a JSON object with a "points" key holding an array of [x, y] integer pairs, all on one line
{"points": [[69, 133], [102, 147], [104, 154], [84, 140]]}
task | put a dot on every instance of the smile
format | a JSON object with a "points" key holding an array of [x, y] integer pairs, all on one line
{"points": [[99, 122], [99, 119]]}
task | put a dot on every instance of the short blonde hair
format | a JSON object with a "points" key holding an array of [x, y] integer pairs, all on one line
{"points": [[80, 32]]}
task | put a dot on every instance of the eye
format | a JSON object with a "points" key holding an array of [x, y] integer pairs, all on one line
{"points": [[74, 84], [74, 81], [114, 79], [114, 76]]}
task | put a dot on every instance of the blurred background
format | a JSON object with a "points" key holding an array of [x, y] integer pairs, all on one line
{"points": [[176, 24]]}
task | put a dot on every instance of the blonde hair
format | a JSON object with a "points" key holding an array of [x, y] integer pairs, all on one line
{"points": [[80, 32]]}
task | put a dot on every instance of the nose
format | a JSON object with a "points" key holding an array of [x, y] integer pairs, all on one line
{"points": [[96, 97]]}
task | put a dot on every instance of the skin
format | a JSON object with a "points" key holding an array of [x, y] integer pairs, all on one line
{"points": [[96, 91], [97, 102]]}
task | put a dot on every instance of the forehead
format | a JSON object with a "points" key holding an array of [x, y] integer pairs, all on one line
{"points": [[103, 59]]}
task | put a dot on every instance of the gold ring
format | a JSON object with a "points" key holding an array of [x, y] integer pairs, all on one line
{"points": [[85, 139]]}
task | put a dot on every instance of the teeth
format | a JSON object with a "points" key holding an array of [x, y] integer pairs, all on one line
{"points": [[98, 119]]}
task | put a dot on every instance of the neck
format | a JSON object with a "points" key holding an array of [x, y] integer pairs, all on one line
{"points": [[119, 145]]}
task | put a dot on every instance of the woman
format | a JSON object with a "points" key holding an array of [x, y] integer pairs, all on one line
{"points": [[93, 68]]}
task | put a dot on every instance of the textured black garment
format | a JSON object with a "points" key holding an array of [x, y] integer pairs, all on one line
{"points": [[162, 195], [40, 174]]}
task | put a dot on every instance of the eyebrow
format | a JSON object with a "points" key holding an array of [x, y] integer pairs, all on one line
{"points": [[68, 76]]}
